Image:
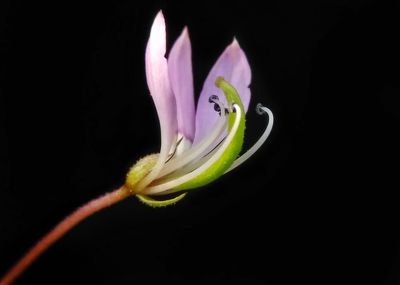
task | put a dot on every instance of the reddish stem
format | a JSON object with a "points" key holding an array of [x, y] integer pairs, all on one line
{"points": [[61, 229]]}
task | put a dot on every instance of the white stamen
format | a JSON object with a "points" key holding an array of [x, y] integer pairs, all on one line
{"points": [[199, 149], [260, 109], [195, 163], [189, 176]]}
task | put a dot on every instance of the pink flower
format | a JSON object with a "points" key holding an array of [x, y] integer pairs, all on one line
{"points": [[197, 144]]}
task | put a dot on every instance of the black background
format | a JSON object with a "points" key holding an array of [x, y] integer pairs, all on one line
{"points": [[317, 204]]}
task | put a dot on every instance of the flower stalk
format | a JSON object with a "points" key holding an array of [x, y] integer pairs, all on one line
{"points": [[61, 229]]}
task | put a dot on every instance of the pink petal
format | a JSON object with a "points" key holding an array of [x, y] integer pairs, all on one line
{"points": [[160, 90], [181, 79], [234, 67]]}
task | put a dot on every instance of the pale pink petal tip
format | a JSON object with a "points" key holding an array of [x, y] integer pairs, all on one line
{"points": [[234, 67]]}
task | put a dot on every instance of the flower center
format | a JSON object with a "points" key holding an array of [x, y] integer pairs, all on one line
{"points": [[193, 154], [200, 158]]}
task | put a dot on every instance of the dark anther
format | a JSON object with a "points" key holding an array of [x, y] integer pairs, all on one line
{"points": [[212, 98], [217, 108]]}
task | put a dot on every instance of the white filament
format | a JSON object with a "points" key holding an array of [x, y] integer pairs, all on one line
{"points": [[187, 168], [217, 155], [261, 110], [197, 150]]}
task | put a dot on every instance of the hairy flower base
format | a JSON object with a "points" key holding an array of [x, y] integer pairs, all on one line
{"points": [[138, 172]]}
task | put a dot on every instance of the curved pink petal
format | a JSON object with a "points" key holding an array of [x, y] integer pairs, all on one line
{"points": [[181, 79], [234, 67], [160, 90]]}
